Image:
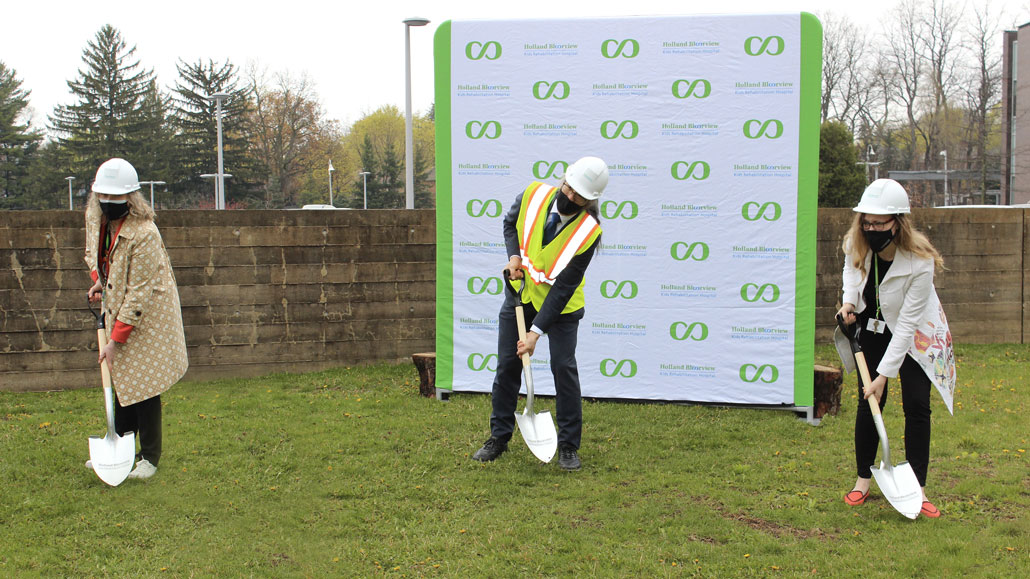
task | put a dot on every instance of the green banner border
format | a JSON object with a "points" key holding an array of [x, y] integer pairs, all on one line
{"points": [[807, 209], [444, 219]]}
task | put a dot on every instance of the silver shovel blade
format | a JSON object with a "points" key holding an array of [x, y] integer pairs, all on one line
{"points": [[539, 433], [112, 456], [900, 487]]}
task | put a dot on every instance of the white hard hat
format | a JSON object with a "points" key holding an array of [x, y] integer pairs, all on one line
{"points": [[116, 177], [588, 177], [883, 197]]}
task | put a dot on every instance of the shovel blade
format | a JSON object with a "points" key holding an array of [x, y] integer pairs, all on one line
{"points": [[539, 433], [112, 456], [900, 487]]}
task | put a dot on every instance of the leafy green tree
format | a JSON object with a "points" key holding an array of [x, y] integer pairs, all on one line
{"points": [[18, 141], [841, 179], [196, 123], [116, 110], [375, 144]]}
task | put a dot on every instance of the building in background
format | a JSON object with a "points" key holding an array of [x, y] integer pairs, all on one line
{"points": [[1015, 147]]}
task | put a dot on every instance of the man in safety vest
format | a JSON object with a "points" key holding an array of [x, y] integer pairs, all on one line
{"points": [[551, 234]]}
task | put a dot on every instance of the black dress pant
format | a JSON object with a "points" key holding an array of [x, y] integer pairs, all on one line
{"points": [[915, 400], [562, 338], [143, 418]]}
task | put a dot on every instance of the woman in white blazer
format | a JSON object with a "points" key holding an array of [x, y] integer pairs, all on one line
{"points": [[889, 292]]}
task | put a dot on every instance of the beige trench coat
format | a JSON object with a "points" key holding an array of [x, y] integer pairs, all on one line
{"points": [[140, 291]]}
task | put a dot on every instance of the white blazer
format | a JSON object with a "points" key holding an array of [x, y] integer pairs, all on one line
{"points": [[913, 312]]}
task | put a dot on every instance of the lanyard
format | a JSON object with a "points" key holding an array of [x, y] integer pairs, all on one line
{"points": [[876, 283]]}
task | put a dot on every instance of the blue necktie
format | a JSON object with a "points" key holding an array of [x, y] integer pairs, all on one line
{"points": [[551, 228]]}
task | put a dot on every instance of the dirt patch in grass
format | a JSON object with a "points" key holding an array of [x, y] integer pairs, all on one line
{"points": [[765, 525]]}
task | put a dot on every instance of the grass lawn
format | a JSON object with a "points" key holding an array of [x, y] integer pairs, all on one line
{"points": [[350, 473]]}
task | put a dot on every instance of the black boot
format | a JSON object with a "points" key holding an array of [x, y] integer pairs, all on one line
{"points": [[568, 459], [492, 448]]}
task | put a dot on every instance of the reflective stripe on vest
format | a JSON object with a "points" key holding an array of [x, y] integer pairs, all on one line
{"points": [[535, 213]]}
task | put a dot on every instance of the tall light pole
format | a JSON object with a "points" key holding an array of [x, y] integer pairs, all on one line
{"points": [[152, 183], [364, 186], [945, 155], [875, 164], [71, 204], [220, 180], [331, 181], [409, 139], [215, 176]]}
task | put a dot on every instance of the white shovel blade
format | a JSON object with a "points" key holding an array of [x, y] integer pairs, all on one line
{"points": [[539, 433], [900, 487], [112, 456]]}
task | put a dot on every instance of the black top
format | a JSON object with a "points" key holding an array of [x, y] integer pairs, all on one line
{"points": [[879, 266]]}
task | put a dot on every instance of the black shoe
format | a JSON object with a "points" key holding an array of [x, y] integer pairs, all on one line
{"points": [[568, 459], [492, 448]]}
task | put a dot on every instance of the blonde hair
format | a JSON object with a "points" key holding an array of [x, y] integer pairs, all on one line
{"points": [[907, 238], [139, 208]]}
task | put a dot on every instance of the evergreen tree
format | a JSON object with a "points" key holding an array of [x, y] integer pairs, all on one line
{"points": [[841, 179], [197, 126], [116, 111], [18, 142]]}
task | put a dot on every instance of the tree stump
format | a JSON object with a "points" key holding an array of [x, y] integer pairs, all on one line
{"points": [[828, 381], [425, 363]]}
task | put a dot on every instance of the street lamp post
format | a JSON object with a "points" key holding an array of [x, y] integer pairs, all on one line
{"points": [[409, 139], [71, 204], [331, 181], [215, 176], [220, 176], [364, 187], [945, 155], [152, 183]]}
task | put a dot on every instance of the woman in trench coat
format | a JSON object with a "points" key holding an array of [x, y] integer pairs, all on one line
{"points": [[133, 277]]}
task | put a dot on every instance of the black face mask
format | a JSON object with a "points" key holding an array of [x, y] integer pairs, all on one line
{"points": [[114, 211], [879, 240], [566, 207]]}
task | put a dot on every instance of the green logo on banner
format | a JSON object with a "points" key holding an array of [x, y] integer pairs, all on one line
{"points": [[624, 368], [489, 50], [623, 209], [480, 208], [698, 170], [489, 285], [479, 362], [767, 292], [478, 130], [695, 331], [763, 129], [558, 90], [771, 45], [627, 48], [752, 373], [682, 251], [614, 129], [752, 211], [612, 289], [546, 170], [698, 89]]}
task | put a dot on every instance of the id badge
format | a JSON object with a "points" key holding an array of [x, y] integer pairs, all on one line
{"points": [[876, 326]]}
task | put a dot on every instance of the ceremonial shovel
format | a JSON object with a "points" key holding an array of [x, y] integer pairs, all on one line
{"points": [[537, 429], [111, 455], [898, 484]]}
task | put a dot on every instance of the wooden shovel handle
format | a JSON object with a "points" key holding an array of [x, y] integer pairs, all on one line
{"points": [[105, 372], [520, 319], [863, 371]]}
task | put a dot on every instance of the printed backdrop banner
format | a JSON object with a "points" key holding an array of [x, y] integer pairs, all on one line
{"points": [[704, 285]]}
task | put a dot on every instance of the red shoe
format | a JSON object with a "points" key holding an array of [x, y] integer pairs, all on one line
{"points": [[929, 510], [855, 498]]}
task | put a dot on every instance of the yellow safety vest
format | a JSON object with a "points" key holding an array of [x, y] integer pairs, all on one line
{"points": [[541, 265]]}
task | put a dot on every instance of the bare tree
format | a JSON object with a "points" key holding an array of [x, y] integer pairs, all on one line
{"points": [[938, 49], [983, 91], [286, 121], [903, 54]]}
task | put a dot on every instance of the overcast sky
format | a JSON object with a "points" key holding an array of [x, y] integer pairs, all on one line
{"points": [[352, 51]]}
